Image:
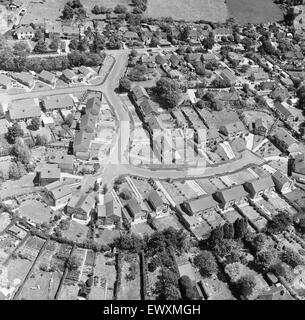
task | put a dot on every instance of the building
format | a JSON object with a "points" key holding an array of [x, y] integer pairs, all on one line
{"points": [[148, 108], [156, 203], [282, 183], [64, 162], [139, 93], [80, 207], [280, 93], [88, 123], [260, 76], [57, 103], [24, 78], [256, 188], [283, 112], [25, 33], [260, 127], [94, 105], [69, 76], [135, 211], [233, 129], [82, 143], [229, 76], [24, 109], [275, 293], [86, 72], [298, 168], [109, 214], [285, 141], [231, 196], [222, 32], [47, 77], [203, 204], [5, 82], [59, 193], [49, 173]]}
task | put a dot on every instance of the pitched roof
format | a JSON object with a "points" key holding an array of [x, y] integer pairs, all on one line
{"points": [[134, 207], [62, 159], [278, 176], [50, 171], [26, 108], [148, 107], [47, 76], [82, 140], [260, 184], [58, 190], [231, 194], [86, 70], [93, 105], [85, 202], [281, 109], [24, 77], [88, 121], [154, 199], [69, 74], [234, 127], [4, 80], [203, 203], [58, 102], [283, 135], [139, 92]]}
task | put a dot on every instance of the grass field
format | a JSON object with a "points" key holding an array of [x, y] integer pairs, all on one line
{"points": [[209, 10], [258, 11]]}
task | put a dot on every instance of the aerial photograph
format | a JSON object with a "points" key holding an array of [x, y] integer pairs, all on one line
{"points": [[152, 150]]}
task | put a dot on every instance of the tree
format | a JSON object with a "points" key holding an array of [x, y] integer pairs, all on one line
{"points": [[240, 228], [54, 45], [186, 288], [166, 288], [41, 140], [68, 12], [96, 9], [228, 231], [133, 53], [35, 124], [200, 104], [21, 151], [72, 263], [292, 258], [265, 259], [16, 170], [169, 92], [245, 285], [279, 223], [40, 47], [301, 224], [216, 236], [206, 263], [125, 84], [98, 43], [120, 9]]}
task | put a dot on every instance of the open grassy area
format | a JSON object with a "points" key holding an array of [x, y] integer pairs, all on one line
{"points": [[191, 10], [258, 11], [76, 232], [36, 211]]}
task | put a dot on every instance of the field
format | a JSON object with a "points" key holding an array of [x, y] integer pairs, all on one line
{"points": [[76, 232], [36, 211], [191, 10], [258, 11]]}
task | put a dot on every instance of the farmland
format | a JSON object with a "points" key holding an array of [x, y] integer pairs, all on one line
{"points": [[210, 10], [259, 11]]}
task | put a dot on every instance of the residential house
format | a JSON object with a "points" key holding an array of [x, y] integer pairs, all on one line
{"points": [[59, 194], [282, 183], [69, 76], [48, 173], [65, 162], [93, 106], [212, 136], [260, 76], [256, 188], [230, 196], [284, 140], [24, 78], [80, 207], [260, 127], [24, 109], [283, 112], [86, 72], [233, 129], [51, 103], [222, 31], [109, 213], [24, 33], [82, 143], [5, 82], [156, 203], [47, 77], [88, 123], [148, 108], [202, 204], [229, 76], [280, 93], [131, 36], [135, 210], [298, 168], [139, 93]]}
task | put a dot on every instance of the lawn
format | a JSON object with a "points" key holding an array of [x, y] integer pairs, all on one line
{"points": [[4, 220], [76, 232], [168, 220], [258, 11], [191, 10], [36, 211]]}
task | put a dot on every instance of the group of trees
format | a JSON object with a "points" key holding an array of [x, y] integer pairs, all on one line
{"points": [[279, 223], [73, 8], [206, 263], [168, 92]]}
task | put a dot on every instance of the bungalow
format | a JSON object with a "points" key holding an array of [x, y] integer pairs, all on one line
{"points": [[227, 98], [24, 109], [24, 32], [86, 72], [156, 203], [256, 188], [60, 194], [24, 78], [267, 85], [64, 162], [193, 57], [69, 76], [131, 36], [164, 43], [135, 211], [260, 76], [109, 213], [48, 173], [233, 129], [284, 140], [51, 103], [282, 183], [80, 207], [5, 82], [283, 112], [148, 108], [229, 76], [47, 77], [230, 196], [203, 204], [208, 57], [220, 32], [139, 93], [212, 136]]}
